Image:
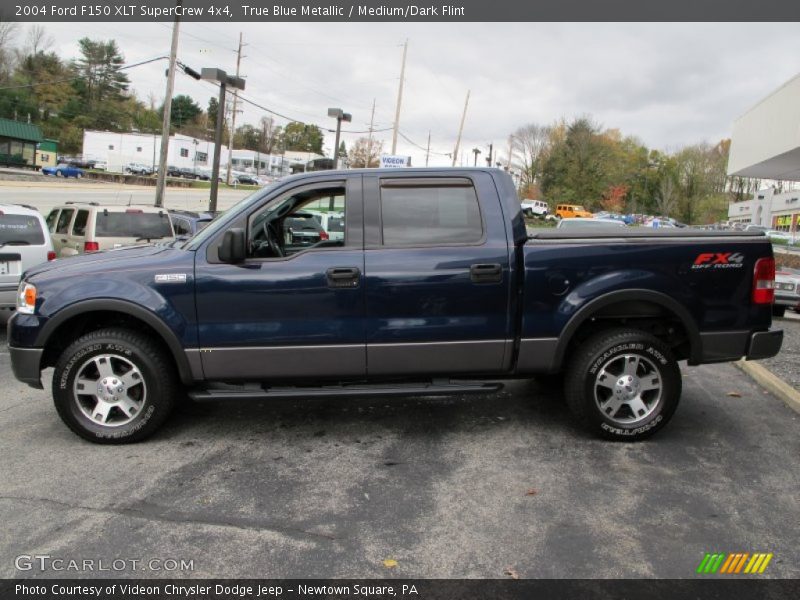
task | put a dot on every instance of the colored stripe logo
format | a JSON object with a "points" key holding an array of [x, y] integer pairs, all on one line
{"points": [[735, 563]]}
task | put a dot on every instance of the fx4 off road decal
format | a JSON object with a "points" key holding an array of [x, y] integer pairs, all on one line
{"points": [[719, 260]]}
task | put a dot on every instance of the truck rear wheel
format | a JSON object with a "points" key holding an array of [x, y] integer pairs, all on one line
{"points": [[114, 386], [623, 384]]}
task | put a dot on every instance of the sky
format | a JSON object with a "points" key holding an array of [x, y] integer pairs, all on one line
{"points": [[668, 84]]}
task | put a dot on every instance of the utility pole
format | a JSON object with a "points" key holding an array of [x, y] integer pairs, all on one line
{"points": [[369, 139], [489, 158], [233, 113], [399, 99], [460, 129], [161, 180], [428, 151]]}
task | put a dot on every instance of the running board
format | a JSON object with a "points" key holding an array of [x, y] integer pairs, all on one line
{"points": [[234, 392]]}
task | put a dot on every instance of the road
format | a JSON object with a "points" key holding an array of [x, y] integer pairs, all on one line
{"points": [[462, 487], [45, 195]]}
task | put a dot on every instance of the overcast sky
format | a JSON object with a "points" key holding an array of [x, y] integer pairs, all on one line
{"points": [[668, 84]]}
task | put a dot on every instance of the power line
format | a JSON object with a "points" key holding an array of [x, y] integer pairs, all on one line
{"points": [[416, 145]]}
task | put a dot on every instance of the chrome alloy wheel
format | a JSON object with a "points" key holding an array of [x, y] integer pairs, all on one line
{"points": [[627, 389], [110, 390]]}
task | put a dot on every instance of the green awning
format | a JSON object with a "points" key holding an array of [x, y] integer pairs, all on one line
{"points": [[17, 130]]}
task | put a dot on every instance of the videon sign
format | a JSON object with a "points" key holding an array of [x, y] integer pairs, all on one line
{"points": [[394, 162]]}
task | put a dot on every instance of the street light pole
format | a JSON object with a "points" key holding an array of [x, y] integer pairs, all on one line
{"points": [[224, 81], [340, 116]]}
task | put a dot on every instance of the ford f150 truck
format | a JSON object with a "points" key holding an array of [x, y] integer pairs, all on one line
{"points": [[435, 287]]}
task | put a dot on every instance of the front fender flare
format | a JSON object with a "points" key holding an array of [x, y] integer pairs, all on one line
{"points": [[177, 350]]}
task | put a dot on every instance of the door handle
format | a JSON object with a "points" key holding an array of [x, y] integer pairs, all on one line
{"points": [[486, 273], [343, 277]]}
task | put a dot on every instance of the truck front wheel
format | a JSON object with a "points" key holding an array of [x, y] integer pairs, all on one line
{"points": [[624, 384], [114, 386]]}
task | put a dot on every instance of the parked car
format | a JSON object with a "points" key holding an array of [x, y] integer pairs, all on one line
{"points": [[173, 171], [787, 291], [436, 288], [138, 169], [752, 227], [781, 236], [245, 179], [24, 243], [63, 171], [77, 228], [535, 208], [99, 165], [593, 223], [570, 211], [332, 223]]}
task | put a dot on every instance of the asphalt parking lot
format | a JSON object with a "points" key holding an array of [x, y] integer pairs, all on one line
{"points": [[464, 487]]}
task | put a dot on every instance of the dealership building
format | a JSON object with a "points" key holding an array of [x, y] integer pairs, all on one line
{"points": [[765, 144]]}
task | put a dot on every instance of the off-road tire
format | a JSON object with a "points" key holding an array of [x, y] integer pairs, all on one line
{"points": [[157, 376], [585, 369]]}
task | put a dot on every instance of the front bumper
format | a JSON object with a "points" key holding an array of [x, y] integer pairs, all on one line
{"points": [[26, 365]]}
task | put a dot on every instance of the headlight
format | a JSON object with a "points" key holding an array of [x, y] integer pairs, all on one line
{"points": [[26, 298]]}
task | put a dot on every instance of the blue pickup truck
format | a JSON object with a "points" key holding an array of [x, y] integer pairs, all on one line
{"points": [[435, 287]]}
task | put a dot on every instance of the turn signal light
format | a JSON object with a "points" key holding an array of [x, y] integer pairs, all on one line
{"points": [[26, 298]]}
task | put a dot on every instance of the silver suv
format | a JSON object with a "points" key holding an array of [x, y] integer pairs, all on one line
{"points": [[89, 227], [24, 243]]}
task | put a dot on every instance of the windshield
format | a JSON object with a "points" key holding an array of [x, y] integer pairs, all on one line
{"points": [[133, 224], [21, 229]]}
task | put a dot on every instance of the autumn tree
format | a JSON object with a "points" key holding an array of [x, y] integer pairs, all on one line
{"points": [[366, 153]]}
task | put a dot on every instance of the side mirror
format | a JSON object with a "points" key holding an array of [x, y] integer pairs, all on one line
{"points": [[233, 248]]}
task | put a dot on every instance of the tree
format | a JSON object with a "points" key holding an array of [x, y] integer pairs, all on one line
{"points": [[101, 85], [614, 198], [183, 110], [576, 168], [270, 135], [529, 147], [364, 154], [665, 196], [8, 31], [302, 137]]}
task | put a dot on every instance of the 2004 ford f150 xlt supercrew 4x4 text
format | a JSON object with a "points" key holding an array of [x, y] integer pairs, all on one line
{"points": [[434, 288]]}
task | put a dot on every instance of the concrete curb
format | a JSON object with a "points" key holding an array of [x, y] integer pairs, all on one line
{"points": [[768, 380]]}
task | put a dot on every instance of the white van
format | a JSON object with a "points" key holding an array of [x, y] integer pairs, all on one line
{"points": [[535, 208]]}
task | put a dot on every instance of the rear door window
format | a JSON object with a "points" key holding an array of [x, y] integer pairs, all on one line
{"points": [[133, 224], [62, 226], [432, 214], [79, 226], [23, 230]]}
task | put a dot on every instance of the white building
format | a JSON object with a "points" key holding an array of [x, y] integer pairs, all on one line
{"points": [[765, 144], [119, 149]]}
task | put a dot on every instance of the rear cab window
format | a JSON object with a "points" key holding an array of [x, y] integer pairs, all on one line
{"points": [[23, 230], [133, 224]]}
